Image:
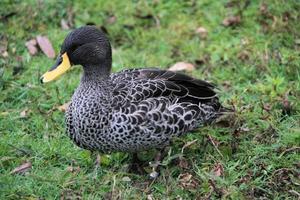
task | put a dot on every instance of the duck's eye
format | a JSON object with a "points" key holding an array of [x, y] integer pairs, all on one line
{"points": [[74, 47]]}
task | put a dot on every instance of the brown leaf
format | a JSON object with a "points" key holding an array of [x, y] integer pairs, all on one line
{"points": [[22, 168], [267, 107], [226, 84], [24, 113], [64, 24], [73, 169], [63, 107], [183, 163], [182, 66], [112, 195], [245, 178], [67, 194], [244, 55], [111, 19], [231, 21], [218, 170], [202, 32], [187, 181], [46, 46], [286, 107], [218, 191], [32, 46], [263, 9]]}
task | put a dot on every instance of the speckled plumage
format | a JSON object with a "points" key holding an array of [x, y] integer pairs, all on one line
{"points": [[132, 110], [135, 110]]}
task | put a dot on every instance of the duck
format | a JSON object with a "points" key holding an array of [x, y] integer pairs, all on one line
{"points": [[132, 110]]}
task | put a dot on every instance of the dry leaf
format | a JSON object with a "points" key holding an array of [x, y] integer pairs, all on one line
{"points": [[182, 66], [31, 46], [187, 181], [218, 170], [126, 179], [267, 107], [232, 21], [226, 85], [22, 168], [245, 41], [202, 32], [112, 19], [71, 194], [5, 54], [63, 107], [112, 195], [263, 9], [183, 163], [24, 113], [244, 55], [286, 107], [150, 197], [179, 197], [64, 24], [73, 169], [46, 46], [297, 41]]}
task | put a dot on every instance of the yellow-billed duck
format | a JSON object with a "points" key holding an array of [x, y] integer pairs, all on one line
{"points": [[132, 110]]}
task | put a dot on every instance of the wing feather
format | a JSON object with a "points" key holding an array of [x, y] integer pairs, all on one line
{"points": [[140, 84]]}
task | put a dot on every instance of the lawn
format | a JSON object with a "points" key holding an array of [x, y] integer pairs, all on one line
{"points": [[250, 49]]}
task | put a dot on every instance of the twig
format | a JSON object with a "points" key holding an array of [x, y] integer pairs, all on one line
{"points": [[188, 144], [290, 150], [213, 143], [294, 193], [24, 151]]}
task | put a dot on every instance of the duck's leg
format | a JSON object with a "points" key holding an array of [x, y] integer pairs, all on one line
{"points": [[136, 165], [157, 163], [98, 161], [97, 157]]}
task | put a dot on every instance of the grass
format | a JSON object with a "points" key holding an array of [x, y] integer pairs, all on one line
{"points": [[253, 154]]}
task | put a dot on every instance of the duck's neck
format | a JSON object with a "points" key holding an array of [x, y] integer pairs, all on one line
{"points": [[94, 73]]}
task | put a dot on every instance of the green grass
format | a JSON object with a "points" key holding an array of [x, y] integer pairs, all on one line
{"points": [[255, 64]]}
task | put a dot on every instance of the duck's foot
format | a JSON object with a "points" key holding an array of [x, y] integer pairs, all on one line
{"points": [[136, 166], [157, 163]]}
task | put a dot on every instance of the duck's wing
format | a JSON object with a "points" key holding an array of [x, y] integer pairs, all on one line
{"points": [[149, 106], [136, 85]]}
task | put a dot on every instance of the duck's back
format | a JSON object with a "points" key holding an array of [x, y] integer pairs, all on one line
{"points": [[145, 108]]}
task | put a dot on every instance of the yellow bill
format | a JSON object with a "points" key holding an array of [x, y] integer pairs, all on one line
{"points": [[60, 67]]}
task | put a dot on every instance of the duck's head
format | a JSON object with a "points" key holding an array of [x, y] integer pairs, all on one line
{"points": [[86, 46]]}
